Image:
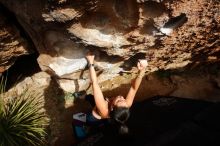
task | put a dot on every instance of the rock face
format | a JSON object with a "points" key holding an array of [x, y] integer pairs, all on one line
{"points": [[38, 80], [67, 55], [171, 34], [12, 44]]}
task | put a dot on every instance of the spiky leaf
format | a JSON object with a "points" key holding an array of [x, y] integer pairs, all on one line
{"points": [[22, 121]]}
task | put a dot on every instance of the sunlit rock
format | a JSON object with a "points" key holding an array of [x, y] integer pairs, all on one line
{"points": [[74, 85], [98, 37], [120, 29], [64, 56], [101, 30], [62, 15], [40, 79]]}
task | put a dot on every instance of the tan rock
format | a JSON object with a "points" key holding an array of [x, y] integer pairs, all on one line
{"points": [[74, 85], [65, 56], [97, 37], [38, 80], [12, 44]]}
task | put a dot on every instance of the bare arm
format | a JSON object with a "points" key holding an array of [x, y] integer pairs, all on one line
{"points": [[136, 82], [100, 102]]}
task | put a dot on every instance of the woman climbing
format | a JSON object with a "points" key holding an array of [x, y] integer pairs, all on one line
{"points": [[116, 108]]}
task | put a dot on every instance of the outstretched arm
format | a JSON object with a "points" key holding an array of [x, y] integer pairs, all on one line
{"points": [[100, 102], [141, 65]]}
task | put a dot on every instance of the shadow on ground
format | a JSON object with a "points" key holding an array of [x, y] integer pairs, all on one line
{"points": [[60, 131]]}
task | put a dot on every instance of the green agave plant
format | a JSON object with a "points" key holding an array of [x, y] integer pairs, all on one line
{"points": [[2, 89], [22, 120]]}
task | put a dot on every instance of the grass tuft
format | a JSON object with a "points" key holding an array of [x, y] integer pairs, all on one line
{"points": [[22, 119]]}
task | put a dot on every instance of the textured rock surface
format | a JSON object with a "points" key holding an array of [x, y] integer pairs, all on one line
{"points": [[12, 44], [65, 55], [119, 32], [39, 80]]}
